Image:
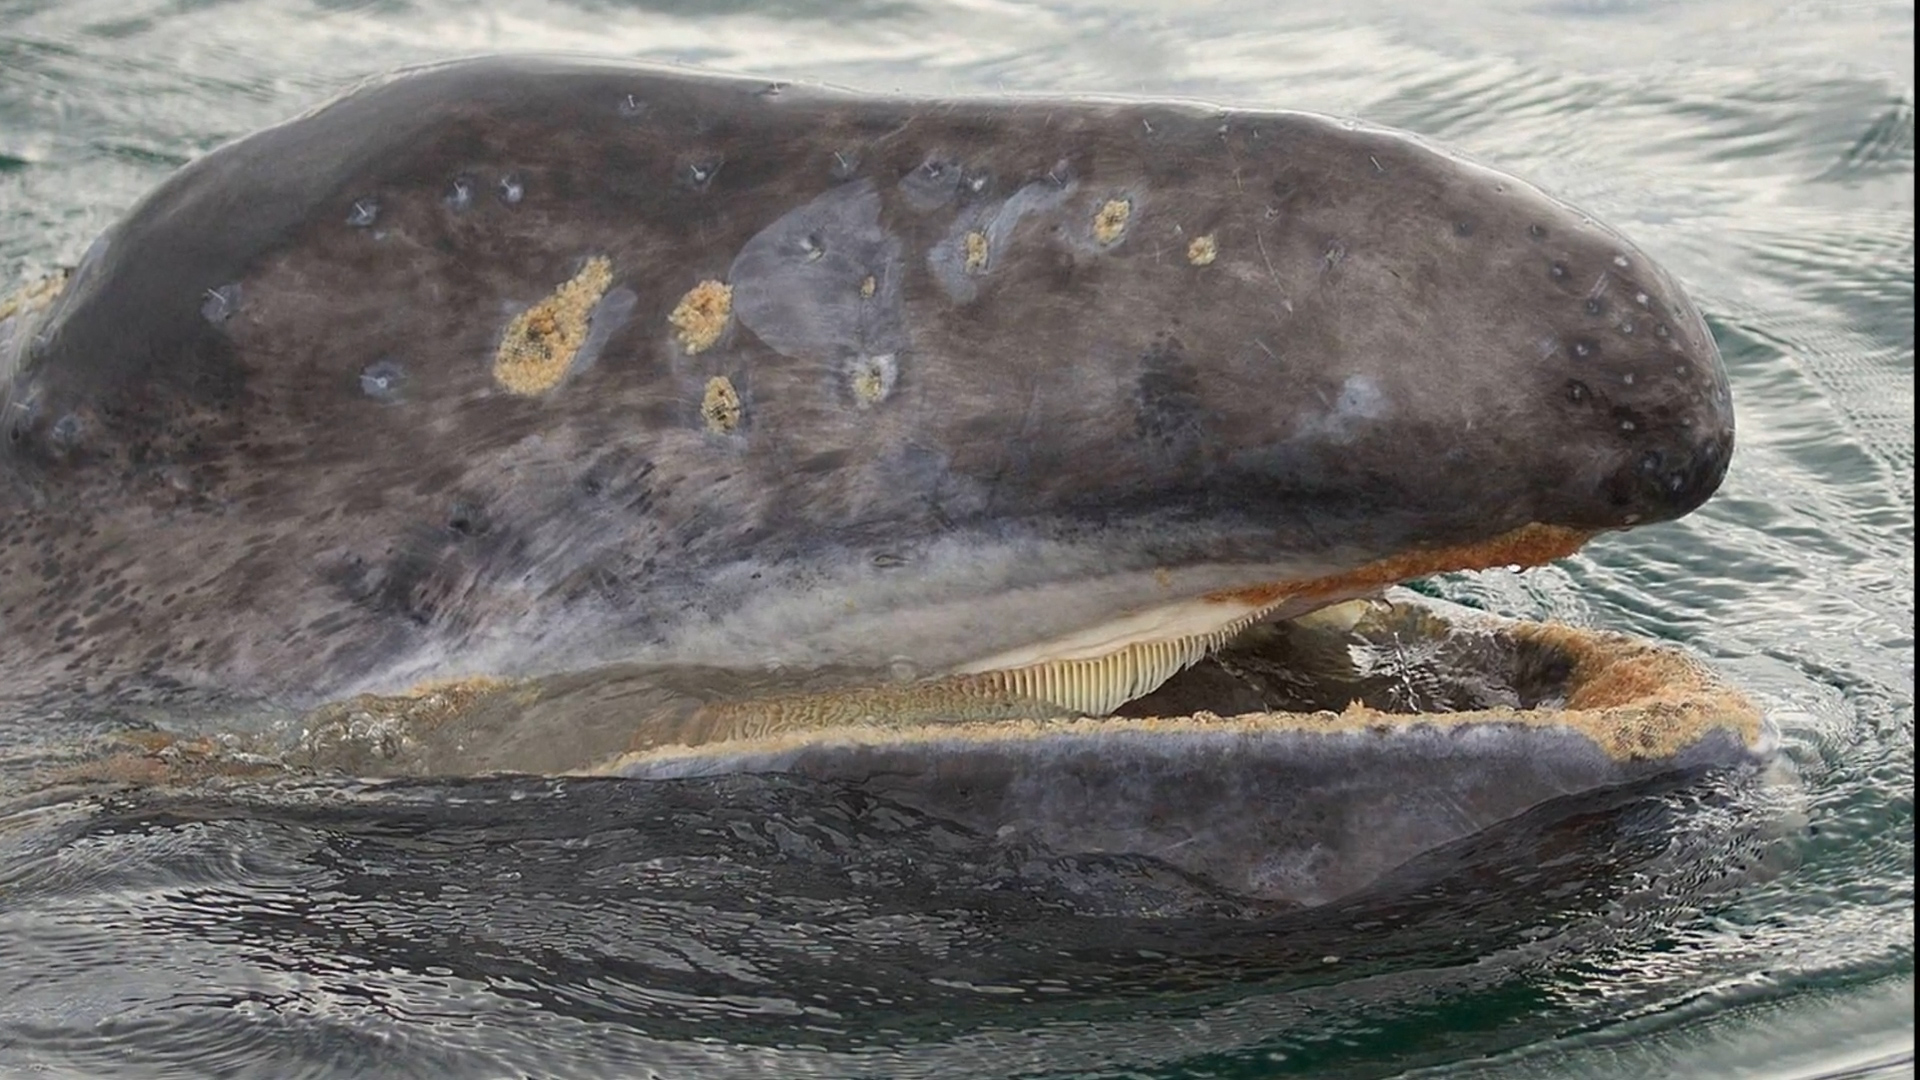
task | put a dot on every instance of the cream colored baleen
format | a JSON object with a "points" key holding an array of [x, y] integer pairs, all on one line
{"points": [[1096, 670]]}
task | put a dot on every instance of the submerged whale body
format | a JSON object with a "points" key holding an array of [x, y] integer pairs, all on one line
{"points": [[984, 411]]}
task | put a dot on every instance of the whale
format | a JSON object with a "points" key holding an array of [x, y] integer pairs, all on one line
{"points": [[807, 408]]}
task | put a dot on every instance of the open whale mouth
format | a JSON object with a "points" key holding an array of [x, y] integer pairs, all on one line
{"points": [[1392, 663], [1099, 670], [1300, 761]]}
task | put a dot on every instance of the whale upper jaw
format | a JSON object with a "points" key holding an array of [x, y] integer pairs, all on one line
{"points": [[484, 367]]}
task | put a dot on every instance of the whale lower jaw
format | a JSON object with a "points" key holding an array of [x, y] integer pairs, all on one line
{"points": [[1305, 802]]}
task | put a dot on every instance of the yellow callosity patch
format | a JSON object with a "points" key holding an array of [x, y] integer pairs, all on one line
{"points": [[868, 286], [872, 380], [701, 315], [1203, 250], [720, 407], [1110, 223], [542, 341], [976, 252]]}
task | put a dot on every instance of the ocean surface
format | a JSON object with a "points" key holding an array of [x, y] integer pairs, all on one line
{"points": [[765, 927]]}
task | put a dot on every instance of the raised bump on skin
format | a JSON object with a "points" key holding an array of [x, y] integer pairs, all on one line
{"points": [[701, 315], [873, 379], [1110, 221], [976, 252], [218, 305], [541, 342], [1203, 250], [720, 407]]}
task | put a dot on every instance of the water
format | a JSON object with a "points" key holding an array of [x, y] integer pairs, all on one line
{"points": [[759, 927]]}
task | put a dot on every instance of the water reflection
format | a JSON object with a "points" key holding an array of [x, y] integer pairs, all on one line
{"points": [[284, 929]]}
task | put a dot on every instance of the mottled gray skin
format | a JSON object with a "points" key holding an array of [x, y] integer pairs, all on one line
{"points": [[1306, 818], [256, 445]]}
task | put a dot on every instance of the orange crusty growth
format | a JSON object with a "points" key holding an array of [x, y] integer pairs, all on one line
{"points": [[1110, 221], [701, 315], [976, 252], [541, 342], [720, 407]]}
